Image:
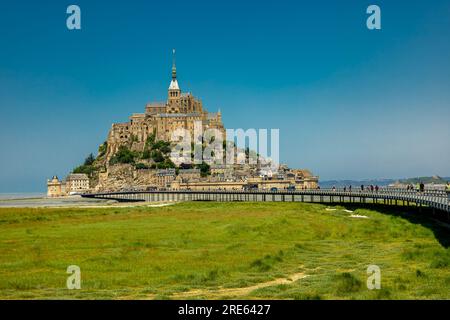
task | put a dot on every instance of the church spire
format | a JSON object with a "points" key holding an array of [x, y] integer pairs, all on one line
{"points": [[174, 67], [174, 89]]}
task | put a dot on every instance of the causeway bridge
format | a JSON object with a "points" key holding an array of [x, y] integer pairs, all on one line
{"points": [[438, 200]]}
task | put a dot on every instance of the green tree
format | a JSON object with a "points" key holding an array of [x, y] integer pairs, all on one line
{"points": [[150, 141], [141, 166], [162, 145], [89, 160], [146, 154], [157, 156], [205, 169], [165, 149], [169, 163], [123, 155], [89, 170], [87, 167]]}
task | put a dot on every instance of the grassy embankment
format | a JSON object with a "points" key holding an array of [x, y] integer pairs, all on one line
{"points": [[228, 250]]}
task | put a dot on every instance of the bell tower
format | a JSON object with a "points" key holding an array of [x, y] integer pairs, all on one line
{"points": [[174, 90]]}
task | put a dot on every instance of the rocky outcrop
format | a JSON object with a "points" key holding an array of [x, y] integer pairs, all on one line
{"points": [[126, 177]]}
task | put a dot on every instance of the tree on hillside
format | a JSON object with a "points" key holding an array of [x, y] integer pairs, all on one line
{"points": [[123, 155], [87, 167], [89, 160], [205, 169], [157, 156]]}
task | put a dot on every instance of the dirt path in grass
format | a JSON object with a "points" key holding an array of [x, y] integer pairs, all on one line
{"points": [[236, 292]]}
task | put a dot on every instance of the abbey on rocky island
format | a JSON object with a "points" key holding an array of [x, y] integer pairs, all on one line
{"points": [[137, 155], [180, 111]]}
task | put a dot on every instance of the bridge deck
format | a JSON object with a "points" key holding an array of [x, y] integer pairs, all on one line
{"points": [[435, 199]]}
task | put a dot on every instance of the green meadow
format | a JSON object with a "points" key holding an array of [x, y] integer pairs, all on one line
{"points": [[206, 250]]}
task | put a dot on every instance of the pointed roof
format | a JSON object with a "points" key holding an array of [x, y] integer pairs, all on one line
{"points": [[174, 83]]}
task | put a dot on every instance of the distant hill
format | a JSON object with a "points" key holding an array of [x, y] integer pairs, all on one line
{"points": [[355, 183], [383, 182], [425, 180]]}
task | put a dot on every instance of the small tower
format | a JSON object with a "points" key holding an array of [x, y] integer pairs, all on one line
{"points": [[174, 90], [54, 187]]}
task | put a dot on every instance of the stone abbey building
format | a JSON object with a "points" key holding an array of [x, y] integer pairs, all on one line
{"points": [[181, 110], [74, 183], [159, 121]]}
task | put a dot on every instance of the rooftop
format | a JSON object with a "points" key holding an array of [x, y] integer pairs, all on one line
{"points": [[77, 176]]}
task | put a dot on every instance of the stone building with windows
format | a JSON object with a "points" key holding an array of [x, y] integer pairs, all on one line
{"points": [[164, 177], [180, 111], [76, 183], [222, 172], [54, 187], [187, 175]]}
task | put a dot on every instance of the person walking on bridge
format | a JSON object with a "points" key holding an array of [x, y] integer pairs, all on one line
{"points": [[447, 189], [422, 187]]}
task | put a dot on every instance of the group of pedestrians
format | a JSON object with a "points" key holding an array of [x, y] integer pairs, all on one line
{"points": [[370, 188], [420, 187]]}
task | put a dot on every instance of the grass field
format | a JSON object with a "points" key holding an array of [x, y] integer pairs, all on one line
{"points": [[222, 250]]}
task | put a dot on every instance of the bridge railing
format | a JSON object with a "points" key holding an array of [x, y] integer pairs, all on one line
{"points": [[437, 200], [431, 192], [326, 192]]}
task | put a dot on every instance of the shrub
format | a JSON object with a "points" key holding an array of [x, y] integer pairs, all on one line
{"points": [[205, 169], [167, 163], [165, 149], [266, 263], [86, 169], [162, 146], [185, 166], [261, 265], [347, 283], [150, 141], [419, 273], [123, 155], [102, 149], [146, 154], [141, 166], [157, 156], [440, 262]]}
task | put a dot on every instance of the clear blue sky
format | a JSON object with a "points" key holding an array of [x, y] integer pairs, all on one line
{"points": [[349, 102]]}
